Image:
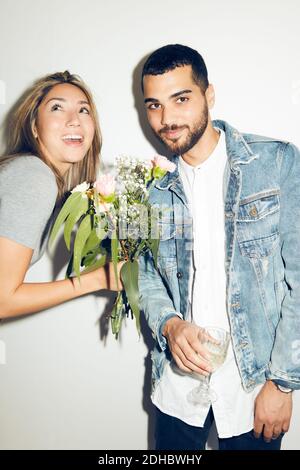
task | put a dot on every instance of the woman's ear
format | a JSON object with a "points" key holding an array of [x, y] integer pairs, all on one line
{"points": [[210, 96], [34, 130]]}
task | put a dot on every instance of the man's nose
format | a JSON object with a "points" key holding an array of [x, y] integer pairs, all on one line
{"points": [[167, 117]]}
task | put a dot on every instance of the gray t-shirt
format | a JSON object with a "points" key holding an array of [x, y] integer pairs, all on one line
{"points": [[28, 193]]}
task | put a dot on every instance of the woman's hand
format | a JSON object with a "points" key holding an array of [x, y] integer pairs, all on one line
{"points": [[106, 277], [19, 298]]}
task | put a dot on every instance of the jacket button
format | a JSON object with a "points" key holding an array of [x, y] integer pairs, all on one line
{"points": [[179, 274], [253, 211]]}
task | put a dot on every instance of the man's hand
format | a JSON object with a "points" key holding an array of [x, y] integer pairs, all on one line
{"points": [[188, 352], [272, 413]]}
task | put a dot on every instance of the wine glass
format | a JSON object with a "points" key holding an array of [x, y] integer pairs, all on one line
{"points": [[216, 341]]}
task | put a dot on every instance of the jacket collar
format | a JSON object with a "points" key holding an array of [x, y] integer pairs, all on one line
{"points": [[238, 153]]}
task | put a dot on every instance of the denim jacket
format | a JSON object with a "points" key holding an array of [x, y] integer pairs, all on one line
{"points": [[262, 259]]}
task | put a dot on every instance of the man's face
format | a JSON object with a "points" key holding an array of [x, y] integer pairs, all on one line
{"points": [[177, 109]]}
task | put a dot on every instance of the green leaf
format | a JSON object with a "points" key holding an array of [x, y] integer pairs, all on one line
{"points": [[67, 208], [92, 242], [117, 314], [82, 235], [129, 275], [140, 246], [89, 259], [78, 210], [158, 172], [98, 264], [69, 268], [114, 255]]}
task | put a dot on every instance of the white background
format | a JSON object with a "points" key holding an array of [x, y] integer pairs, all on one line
{"points": [[66, 382]]}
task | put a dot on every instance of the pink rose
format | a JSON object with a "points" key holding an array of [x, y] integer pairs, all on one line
{"points": [[105, 186], [161, 165]]}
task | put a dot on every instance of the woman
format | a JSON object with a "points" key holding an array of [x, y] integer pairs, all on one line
{"points": [[55, 145]]}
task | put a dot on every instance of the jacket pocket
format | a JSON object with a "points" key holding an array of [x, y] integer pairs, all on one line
{"points": [[167, 244], [258, 224]]}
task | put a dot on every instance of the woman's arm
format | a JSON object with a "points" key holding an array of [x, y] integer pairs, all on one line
{"points": [[19, 298]]}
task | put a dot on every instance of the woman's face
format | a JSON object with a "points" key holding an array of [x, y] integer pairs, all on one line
{"points": [[64, 126]]}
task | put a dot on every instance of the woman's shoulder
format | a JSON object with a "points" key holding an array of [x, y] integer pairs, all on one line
{"points": [[27, 170], [28, 195], [26, 164]]}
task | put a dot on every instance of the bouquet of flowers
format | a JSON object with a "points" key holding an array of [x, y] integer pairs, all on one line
{"points": [[114, 220]]}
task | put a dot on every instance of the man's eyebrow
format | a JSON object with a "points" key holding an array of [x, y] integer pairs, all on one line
{"points": [[181, 92], [178, 93], [62, 99], [153, 100]]}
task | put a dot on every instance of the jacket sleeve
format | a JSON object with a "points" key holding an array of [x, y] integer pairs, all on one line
{"points": [[155, 301], [284, 367]]}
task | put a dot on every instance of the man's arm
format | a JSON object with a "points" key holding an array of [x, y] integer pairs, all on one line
{"points": [[273, 408], [284, 367], [155, 301], [166, 323]]}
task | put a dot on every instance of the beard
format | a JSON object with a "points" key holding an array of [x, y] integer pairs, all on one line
{"points": [[194, 135]]}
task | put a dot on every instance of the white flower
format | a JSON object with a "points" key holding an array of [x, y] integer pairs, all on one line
{"points": [[81, 188]]}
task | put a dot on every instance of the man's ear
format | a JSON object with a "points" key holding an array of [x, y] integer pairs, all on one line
{"points": [[210, 96]]}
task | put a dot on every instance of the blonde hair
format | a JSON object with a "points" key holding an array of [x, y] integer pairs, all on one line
{"points": [[21, 140]]}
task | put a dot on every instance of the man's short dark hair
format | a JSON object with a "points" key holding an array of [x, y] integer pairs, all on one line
{"points": [[169, 57]]}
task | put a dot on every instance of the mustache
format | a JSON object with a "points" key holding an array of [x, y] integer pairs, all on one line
{"points": [[173, 127]]}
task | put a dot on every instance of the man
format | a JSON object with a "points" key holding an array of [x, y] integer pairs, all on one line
{"points": [[239, 270]]}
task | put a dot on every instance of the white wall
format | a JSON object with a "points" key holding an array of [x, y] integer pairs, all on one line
{"points": [[62, 385]]}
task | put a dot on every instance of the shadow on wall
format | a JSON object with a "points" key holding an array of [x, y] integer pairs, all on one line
{"points": [[60, 259], [140, 108], [8, 121]]}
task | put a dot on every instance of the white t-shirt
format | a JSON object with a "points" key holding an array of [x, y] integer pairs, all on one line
{"points": [[234, 408]]}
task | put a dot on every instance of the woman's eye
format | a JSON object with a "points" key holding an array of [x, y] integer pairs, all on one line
{"points": [[84, 110], [182, 99], [55, 107]]}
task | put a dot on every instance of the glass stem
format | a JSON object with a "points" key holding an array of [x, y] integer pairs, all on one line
{"points": [[205, 380]]}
